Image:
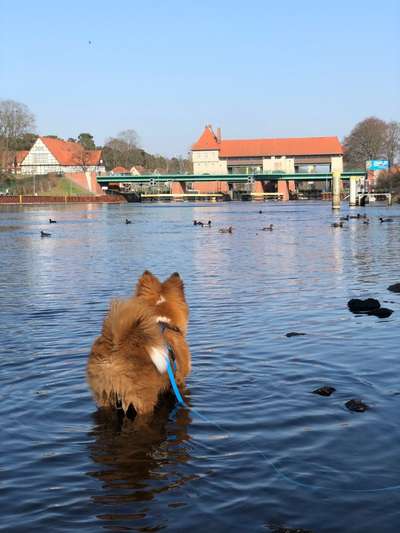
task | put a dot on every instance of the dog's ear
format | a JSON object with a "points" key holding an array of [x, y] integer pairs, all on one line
{"points": [[148, 285], [174, 282]]}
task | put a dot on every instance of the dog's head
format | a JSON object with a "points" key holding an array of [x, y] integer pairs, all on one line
{"points": [[168, 298]]}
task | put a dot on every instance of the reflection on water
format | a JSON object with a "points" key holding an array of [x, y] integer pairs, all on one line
{"points": [[265, 450]]}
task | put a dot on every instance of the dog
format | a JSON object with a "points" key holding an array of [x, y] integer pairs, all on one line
{"points": [[127, 366]]}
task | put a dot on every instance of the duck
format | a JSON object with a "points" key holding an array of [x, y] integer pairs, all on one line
{"points": [[209, 223], [337, 225], [260, 212], [268, 228], [226, 230], [127, 221], [44, 234], [346, 218], [51, 221], [366, 221], [385, 219]]}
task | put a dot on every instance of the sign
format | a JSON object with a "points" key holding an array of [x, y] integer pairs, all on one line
{"points": [[377, 164]]}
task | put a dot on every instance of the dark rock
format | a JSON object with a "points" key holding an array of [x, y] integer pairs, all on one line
{"points": [[394, 288], [356, 405], [382, 312], [363, 306], [324, 391], [294, 334]]}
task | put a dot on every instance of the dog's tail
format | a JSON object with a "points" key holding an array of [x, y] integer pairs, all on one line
{"points": [[132, 323]]}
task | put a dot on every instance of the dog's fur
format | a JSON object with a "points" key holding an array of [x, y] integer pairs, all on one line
{"points": [[127, 364]]}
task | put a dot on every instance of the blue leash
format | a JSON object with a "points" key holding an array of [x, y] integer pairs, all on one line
{"points": [[182, 402]]}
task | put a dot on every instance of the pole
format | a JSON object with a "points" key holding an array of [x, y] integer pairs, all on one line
{"points": [[336, 190]]}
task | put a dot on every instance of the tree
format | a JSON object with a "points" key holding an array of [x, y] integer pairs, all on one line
{"points": [[392, 141], [366, 141], [130, 138], [389, 180], [15, 121], [82, 158], [86, 140], [123, 150], [24, 142], [372, 138]]}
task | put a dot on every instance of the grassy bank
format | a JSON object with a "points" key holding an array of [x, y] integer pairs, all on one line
{"points": [[51, 185]]}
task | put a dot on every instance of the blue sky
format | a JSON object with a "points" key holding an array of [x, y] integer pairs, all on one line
{"points": [[167, 68]]}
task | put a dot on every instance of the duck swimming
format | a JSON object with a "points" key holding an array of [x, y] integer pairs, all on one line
{"points": [[337, 225], [226, 230], [127, 221], [51, 221], [44, 234], [268, 228], [386, 219]]}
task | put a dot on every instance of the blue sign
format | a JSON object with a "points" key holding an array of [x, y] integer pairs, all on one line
{"points": [[378, 164]]}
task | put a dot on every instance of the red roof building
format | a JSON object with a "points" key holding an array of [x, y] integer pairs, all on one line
{"points": [[213, 155], [119, 170], [50, 155]]}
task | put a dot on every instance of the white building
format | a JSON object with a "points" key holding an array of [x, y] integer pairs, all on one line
{"points": [[49, 155]]}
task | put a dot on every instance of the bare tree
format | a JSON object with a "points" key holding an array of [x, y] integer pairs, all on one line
{"points": [[83, 158], [130, 138], [367, 140], [392, 142], [15, 120]]}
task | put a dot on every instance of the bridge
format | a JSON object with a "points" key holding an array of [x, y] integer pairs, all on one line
{"points": [[176, 183], [229, 178]]}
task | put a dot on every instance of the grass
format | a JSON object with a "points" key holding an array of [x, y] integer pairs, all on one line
{"points": [[51, 185]]}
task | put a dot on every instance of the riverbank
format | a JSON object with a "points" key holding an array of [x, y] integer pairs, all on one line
{"points": [[21, 199]]}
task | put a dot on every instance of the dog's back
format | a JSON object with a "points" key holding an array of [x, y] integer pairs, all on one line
{"points": [[127, 362]]}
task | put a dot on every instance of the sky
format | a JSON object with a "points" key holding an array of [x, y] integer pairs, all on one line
{"points": [[256, 69]]}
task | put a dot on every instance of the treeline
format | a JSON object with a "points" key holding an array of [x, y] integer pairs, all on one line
{"points": [[17, 126]]}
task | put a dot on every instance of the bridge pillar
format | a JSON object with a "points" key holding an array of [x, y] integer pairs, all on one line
{"points": [[178, 187], [336, 182], [353, 190], [258, 189], [283, 189]]}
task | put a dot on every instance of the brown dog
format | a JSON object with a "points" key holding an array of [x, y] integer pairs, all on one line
{"points": [[128, 362]]}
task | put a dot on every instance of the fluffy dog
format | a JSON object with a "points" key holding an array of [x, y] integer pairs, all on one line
{"points": [[127, 365]]}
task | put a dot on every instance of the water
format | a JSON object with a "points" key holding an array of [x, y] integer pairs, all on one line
{"points": [[270, 452]]}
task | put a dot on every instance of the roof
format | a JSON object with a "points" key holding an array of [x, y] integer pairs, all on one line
{"points": [[294, 146], [70, 153], [207, 141], [119, 170], [20, 156]]}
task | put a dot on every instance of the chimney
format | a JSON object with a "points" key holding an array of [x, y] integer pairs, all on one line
{"points": [[218, 135]]}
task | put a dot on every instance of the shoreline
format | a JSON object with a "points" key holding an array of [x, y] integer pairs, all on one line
{"points": [[21, 199]]}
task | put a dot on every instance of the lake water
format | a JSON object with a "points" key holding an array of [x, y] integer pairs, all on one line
{"points": [[266, 453]]}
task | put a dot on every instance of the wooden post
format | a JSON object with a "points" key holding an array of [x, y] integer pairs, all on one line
{"points": [[336, 190]]}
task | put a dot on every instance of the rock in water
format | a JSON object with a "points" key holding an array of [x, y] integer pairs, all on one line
{"points": [[356, 405], [394, 288], [324, 391], [294, 334], [363, 306]]}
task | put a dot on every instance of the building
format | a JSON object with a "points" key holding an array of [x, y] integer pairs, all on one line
{"points": [[213, 155], [49, 155]]}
